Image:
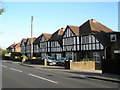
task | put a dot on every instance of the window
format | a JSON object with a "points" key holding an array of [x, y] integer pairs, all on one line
{"points": [[85, 40], [93, 46], [90, 47], [93, 39], [86, 47], [53, 44], [101, 46], [96, 56], [77, 40], [71, 40], [113, 37], [97, 46], [89, 38], [81, 47]]}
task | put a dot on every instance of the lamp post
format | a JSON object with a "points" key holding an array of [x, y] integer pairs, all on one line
{"points": [[31, 37]]}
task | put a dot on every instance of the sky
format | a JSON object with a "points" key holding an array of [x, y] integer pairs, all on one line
{"points": [[50, 16]]}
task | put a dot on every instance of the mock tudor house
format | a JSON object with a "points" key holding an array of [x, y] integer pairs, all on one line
{"points": [[56, 43], [94, 40], [36, 47], [70, 41], [22, 45], [44, 44], [28, 44]]}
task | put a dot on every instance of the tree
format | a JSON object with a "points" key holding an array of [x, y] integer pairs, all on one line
{"points": [[1, 11], [1, 7]]}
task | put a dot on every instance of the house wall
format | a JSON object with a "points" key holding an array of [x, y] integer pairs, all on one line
{"points": [[17, 49]]}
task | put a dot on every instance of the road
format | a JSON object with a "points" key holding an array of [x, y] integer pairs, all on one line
{"points": [[18, 76]]}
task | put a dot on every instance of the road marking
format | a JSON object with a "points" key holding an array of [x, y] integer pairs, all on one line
{"points": [[4, 66], [42, 78], [15, 69]]}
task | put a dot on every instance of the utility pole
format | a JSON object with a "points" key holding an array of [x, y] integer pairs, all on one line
{"points": [[31, 37]]}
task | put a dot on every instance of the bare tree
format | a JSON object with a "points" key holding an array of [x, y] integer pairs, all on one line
{"points": [[1, 7]]}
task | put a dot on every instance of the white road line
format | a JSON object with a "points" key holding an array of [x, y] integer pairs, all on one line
{"points": [[42, 78], [4, 66], [15, 69]]}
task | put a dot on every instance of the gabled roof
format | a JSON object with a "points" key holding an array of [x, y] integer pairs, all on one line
{"points": [[36, 40], [103, 38], [30, 40], [23, 40], [57, 35], [47, 36], [18, 44], [92, 25], [75, 29], [11, 46]]}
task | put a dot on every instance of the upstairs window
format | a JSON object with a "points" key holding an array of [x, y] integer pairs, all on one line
{"points": [[113, 37], [85, 40]]}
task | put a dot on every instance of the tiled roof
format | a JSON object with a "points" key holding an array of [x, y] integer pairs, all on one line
{"points": [[23, 40], [75, 29], [57, 35], [30, 39], [93, 25], [18, 44], [37, 40], [11, 46], [47, 36], [103, 38]]}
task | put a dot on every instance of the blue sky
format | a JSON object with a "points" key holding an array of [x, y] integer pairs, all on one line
{"points": [[50, 16]]}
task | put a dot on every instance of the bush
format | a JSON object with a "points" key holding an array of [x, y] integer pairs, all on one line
{"points": [[39, 58], [24, 57], [4, 52]]}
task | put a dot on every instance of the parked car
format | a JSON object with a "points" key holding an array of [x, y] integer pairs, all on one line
{"points": [[6, 56], [61, 61], [50, 60]]}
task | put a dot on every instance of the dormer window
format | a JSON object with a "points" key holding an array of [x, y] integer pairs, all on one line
{"points": [[113, 37]]}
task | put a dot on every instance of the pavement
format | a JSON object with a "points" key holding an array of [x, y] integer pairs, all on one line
{"points": [[94, 74]]}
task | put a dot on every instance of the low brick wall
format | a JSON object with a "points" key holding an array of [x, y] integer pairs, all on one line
{"points": [[83, 65]]}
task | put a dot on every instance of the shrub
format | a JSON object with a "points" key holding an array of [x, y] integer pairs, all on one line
{"points": [[39, 58]]}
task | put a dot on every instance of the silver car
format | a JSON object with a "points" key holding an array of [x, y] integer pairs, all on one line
{"points": [[50, 60]]}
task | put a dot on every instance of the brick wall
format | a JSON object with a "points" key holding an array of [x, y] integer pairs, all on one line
{"points": [[83, 65]]}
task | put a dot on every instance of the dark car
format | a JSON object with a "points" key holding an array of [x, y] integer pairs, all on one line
{"points": [[61, 61]]}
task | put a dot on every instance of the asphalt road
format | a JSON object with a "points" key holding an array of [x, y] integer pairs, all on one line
{"points": [[18, 76]]}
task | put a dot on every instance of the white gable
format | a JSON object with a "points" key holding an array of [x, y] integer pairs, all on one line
{"points": [[42, 39], [68, 33], [22, 44], [28, 43]]}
